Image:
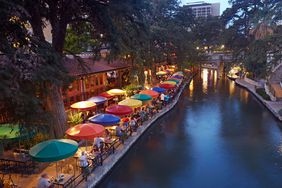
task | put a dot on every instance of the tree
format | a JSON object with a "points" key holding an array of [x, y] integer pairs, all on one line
{"points": [[249, 33], [46, 67]]}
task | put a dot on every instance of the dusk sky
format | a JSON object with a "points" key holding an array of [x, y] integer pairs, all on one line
{"points": [[223, 3]]}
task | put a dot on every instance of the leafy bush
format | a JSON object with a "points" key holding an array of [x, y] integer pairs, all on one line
{"points": [[132, 89], [74, 118], [263, 94]]}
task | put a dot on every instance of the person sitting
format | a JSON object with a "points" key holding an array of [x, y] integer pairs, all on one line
{"points": [[133, 125], [44, 181], [98, 144], [120, 133], [108, 135], [83, 163]]}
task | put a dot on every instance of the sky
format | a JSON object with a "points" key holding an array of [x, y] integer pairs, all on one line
{"points": [[223, 3]]}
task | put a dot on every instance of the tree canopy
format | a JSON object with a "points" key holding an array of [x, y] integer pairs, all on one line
{"points": [[252, 33], [32, 71]]}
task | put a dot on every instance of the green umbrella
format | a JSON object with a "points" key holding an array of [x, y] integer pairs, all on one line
{"points": [[142, 97], [53, 150], [14, 132], [176, 81]]}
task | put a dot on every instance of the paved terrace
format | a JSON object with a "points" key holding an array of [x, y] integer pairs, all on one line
{"points": [[273, 106]]}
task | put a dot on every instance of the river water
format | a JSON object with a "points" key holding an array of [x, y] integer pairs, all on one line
{"points": [[217, 136]]}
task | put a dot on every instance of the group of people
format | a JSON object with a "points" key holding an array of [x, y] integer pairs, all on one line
{"points": [[123, 130]]}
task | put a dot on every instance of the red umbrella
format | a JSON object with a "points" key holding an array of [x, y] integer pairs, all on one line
{"points": [[152, 93], [86, 131], [119, 110], [107, 95], [167, 86]]}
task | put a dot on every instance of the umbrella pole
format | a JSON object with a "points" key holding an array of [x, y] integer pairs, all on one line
{"points": [[57, 171]]}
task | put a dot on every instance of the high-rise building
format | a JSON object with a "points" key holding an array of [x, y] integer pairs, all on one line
{"points": [[203, 9]]}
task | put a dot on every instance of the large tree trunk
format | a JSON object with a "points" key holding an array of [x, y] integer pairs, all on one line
{"points": [[55, 107]]}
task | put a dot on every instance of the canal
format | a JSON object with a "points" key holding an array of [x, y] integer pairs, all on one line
{"points": [[217, 136]]}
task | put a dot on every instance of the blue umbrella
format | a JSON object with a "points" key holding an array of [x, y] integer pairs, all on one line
{"points": [[177, 76], [97, 99], [105, 119], [159, 89]]}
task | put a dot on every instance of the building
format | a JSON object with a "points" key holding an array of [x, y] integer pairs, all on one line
{"points": [[203, 9], [93, 77]]}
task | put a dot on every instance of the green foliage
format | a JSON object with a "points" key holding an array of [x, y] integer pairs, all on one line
{"points": [[263, 94], [131, 89], [248, 33], [79, 39], [74, 118]]}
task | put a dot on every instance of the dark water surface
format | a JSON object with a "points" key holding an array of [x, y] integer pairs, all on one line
{"points": [[218, 136]]}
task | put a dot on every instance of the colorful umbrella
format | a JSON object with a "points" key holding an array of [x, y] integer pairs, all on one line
{"points": [[187, 70], [13, 132], [107, 95], [120, 110], [161, 73], [53, 150], [133, 103], [177, 76], [152, 93], [167, 86], [86, 131], [169, 82], [83, 105], [159, 89], [179, 72], [172, 80], [116, 92], [170, 70], [141, 97], [98, 99], [105, 119]]}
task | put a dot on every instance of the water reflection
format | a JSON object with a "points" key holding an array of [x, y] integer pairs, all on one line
{"points": [[217, 136], [231, 88], [204, 75]]}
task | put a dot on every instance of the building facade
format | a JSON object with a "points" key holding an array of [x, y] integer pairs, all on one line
{"points": [[203, 9], [93, 77]]}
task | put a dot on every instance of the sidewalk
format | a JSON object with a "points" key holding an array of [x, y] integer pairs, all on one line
{"points": [[101, 171], [272, 106]]}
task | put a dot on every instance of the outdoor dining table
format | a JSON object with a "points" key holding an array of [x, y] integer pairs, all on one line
{"points": [[65, 182], [20, 163], [17, 158]]}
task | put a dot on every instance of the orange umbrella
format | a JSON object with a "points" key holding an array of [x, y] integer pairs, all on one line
{"points": [[86, 131], [152, 93], [83, 105]]}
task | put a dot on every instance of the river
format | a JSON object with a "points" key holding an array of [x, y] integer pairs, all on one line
{"points": [[217, 136]]}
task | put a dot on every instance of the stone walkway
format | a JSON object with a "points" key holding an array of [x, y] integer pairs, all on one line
{"points": [[101, 171], [273, 106]]}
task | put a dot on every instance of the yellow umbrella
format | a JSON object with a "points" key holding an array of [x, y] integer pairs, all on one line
{"points": [[169, 82], [83, 105], [116, 92], [161, 73], [133, 103]]}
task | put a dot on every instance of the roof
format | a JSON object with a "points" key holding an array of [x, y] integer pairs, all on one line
{"points": [[198, 4], [90, 66]]}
